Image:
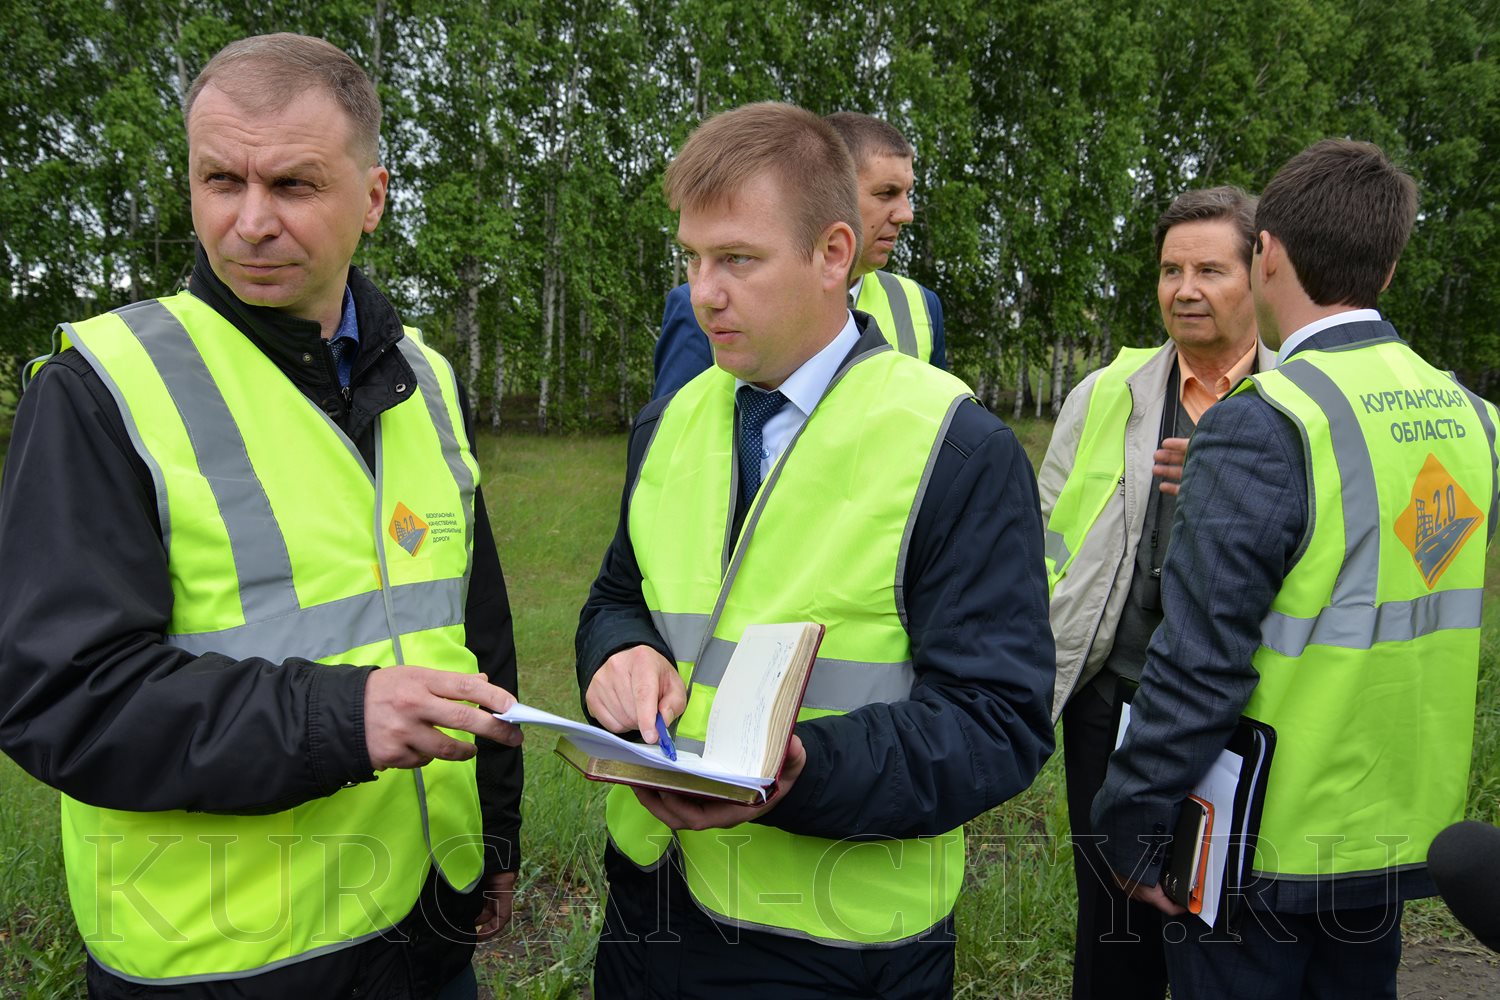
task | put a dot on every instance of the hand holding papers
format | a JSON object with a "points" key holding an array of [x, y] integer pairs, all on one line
{"points": [[749, 728], [1213, 846]]}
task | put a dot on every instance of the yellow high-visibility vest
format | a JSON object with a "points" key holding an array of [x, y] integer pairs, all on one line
{"points": [[276, 551], [900, 310], [1372, 643], [823, 540]]}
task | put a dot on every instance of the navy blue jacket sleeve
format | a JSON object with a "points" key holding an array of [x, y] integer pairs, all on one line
{"points": [[1239, 525], [935, 311], [977, 728], [682, 349], [978, 725]]}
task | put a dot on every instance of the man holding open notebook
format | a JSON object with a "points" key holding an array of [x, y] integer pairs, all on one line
{"points": [[812, 474]]}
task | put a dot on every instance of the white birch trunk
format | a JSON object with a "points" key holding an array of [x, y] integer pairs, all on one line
{"points": [[1020, 386]]}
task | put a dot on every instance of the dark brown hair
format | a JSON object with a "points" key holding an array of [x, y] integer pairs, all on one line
{"points": [[1344, 212], [1226, 202], [802, 152], [868, 136], [264, 73]]}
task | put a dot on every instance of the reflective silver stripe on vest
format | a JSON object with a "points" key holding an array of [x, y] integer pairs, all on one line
{"points": [[1483, 412], [1055, 547], [158, 480], [916, 505], [656, 429], [432, 857], [837, 685], [1361, 500], [1338, 876], [337, 626], [1353, 620], [437, 410], [906, 333], [213, 977], [683, 632], [1360, 627], [261, 563]]}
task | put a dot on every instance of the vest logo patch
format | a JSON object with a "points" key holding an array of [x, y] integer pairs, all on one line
{"points": [[1437, 522], [409, 530]]}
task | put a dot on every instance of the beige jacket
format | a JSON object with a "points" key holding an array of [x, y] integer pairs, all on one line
{"points": [[1088, 601]]}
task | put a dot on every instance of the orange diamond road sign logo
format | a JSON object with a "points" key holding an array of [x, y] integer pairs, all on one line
{"points": [[409, 530], [1437, 522]]}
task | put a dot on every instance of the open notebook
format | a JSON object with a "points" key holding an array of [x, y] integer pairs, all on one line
{"points": [[749, 725]]}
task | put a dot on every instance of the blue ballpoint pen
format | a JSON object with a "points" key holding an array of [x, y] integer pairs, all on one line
{"points": [[665, 738]]}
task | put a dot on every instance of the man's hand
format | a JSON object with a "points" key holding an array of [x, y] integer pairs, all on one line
{"points": [[1150, 894], [499, 902], [684, 812], [631, 687], [1169, 459], [405, 705]]}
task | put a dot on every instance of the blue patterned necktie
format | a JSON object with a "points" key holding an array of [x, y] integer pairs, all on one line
{"points": [[756, 407], [336, 348]]}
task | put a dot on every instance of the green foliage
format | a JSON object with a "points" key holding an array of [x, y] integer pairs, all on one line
{"points": [[526, 143]]}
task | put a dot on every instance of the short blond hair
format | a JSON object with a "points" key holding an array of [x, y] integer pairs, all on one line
{"points": [[265, 73], [800, 151]]}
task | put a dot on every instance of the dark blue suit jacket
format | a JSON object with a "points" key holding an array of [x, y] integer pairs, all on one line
{"points": [[682, 350], [1239, 528]]}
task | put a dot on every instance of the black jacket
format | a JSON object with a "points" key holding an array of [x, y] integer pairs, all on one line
{"points": [[93, 703], [978, 726]]}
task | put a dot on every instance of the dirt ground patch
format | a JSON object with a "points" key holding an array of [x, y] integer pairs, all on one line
{"points": [[1448, 971]]}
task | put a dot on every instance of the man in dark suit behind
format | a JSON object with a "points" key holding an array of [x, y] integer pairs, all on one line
{"points": [[1324, 578]]}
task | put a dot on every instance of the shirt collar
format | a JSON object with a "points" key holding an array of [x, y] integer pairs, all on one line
{"points": [[348, 322], [805, 386], [1237, 371], [1293, 342]]}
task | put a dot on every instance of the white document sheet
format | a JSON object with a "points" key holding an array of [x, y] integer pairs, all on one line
{"points": [[1217, 788], [597, 742]]}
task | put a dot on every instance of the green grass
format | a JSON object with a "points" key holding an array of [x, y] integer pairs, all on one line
{"points": [[553, 503]]}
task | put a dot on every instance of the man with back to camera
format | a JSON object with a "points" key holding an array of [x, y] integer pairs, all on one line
{"points": [[814, 473], [1108, 530], [1325, 578], [211, 663], [909, 315]]}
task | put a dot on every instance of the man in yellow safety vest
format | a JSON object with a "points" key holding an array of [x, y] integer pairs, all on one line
{"points": [[1325, 577], [814, 473], [909, 315], [1108, 528], [247, 575]]}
